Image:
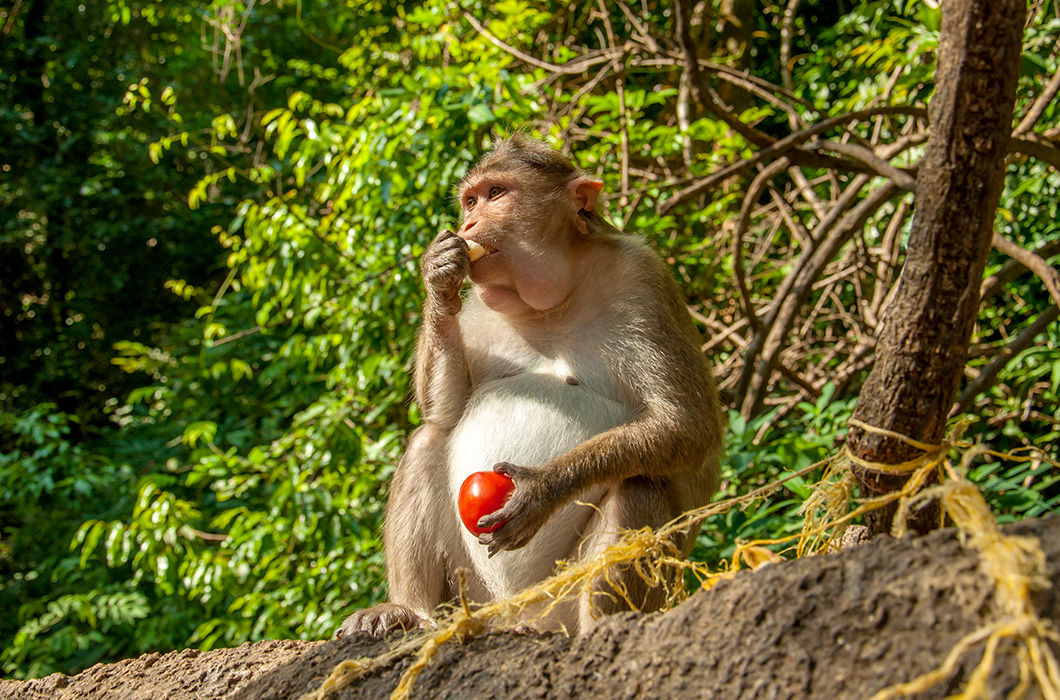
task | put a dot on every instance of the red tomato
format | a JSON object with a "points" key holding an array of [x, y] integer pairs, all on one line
{"points": [[481, 494]]}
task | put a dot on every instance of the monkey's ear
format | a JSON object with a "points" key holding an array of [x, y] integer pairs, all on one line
{"points": [[584, 192]]}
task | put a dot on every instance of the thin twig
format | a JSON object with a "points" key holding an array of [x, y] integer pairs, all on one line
{"points": [[988, 376], [790, 218], [779, 148], [1035, 263], [577, 65], [742, 224], [1036, 110], [785, 42], [758, 374], [623, 116], [701, 91]]}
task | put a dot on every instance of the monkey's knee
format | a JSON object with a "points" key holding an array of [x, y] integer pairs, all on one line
{"points": [[421, 474], [427, 440], [636, 503]]}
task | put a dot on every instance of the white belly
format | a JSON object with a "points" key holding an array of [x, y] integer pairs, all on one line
{"points": [[528, 420]]}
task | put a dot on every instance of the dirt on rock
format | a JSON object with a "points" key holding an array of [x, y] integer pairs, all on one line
{"points": [[843, 625]]}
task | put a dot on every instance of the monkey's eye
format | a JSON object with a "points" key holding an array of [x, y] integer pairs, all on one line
{"points": [[496, 191], [469, 203]]}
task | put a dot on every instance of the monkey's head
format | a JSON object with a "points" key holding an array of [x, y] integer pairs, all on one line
{"points": [[533, 211]]}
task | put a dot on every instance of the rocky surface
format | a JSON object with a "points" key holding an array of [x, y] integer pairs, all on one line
{"points": [[838, 626]]}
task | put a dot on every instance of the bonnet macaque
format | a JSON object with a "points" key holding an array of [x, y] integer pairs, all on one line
{"points": [[573, 367]]}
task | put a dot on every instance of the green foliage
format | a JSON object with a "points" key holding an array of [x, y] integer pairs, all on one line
{"points": [[62, 617], [758, 453], [849, 65], [210, 286], [265, 427], [93, 233]]}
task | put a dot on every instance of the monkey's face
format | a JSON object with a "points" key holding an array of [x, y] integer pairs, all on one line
{"points": [[527, 229]]}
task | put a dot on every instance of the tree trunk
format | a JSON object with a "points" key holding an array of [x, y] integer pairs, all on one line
{"points": [[924, 340]]}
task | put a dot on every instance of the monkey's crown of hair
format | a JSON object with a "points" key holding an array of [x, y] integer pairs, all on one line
{"points": [[521, 152]]}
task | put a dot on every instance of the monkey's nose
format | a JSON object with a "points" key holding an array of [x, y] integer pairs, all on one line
{"points": [[468, 225]]}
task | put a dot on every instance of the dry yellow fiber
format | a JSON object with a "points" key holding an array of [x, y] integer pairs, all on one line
{"points": [[650, 553], [1014, 563], [827, 511]]}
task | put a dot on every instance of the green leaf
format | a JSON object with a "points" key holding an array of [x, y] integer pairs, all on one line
{"points": [[480, 114], [205, 431]]}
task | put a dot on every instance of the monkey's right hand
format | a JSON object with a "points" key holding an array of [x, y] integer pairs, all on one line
{"points": [[380, 619], [445, 264]]}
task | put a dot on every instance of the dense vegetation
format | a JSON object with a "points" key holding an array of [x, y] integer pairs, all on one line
{"points": [[209, 289]]}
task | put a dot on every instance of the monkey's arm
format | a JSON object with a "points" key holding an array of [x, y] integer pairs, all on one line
{"points": [[441, 378], [678, 429], [442, 382], [418, 536]]}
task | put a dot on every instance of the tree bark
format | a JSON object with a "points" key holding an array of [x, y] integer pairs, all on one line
{"points": [[925, 333]]}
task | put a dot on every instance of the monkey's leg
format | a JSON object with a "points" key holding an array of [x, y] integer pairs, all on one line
{"points": [[420, 539], [633, 504]]}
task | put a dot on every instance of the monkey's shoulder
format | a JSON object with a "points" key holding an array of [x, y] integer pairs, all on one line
{"points": [[629, 261], [640, 291]]}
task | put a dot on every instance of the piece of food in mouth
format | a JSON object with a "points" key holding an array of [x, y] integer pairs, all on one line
{"points": [[475, 250]]}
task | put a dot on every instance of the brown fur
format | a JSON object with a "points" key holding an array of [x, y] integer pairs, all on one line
{"points": [[574, 348]]}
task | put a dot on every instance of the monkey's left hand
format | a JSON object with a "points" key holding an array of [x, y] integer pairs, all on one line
{"points": [[525, 512]]}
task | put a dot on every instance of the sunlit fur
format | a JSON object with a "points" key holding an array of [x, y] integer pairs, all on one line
{"points": [[602, 396]]}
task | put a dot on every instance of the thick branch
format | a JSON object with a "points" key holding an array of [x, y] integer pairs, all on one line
{"points": [[870, 159], [925, 332], [1036, 148]]}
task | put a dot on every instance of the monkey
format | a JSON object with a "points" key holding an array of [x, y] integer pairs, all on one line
{"points": [[570, 365]]}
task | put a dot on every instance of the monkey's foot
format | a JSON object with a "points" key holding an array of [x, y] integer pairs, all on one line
{"points": [[380, 619]]}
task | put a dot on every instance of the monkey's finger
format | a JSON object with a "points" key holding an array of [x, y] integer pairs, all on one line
{"points": [[514, 471], [508, 537], [490, 543], [442, 260], [439, 260], [498, 545], [492, 520], [443, 277], [446, 240], [442, 235], [512, 511]]}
